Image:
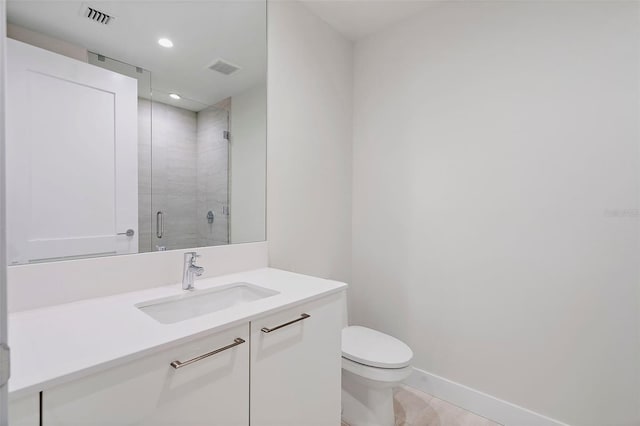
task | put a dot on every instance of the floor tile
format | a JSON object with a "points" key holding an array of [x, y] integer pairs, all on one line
{"points": [[415, 408]]}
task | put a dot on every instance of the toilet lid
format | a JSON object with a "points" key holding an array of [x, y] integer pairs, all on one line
{"points": [[373, 348]]}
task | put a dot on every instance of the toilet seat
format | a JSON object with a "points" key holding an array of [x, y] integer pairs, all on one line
{"points": [[377, 376], [374, 349]]}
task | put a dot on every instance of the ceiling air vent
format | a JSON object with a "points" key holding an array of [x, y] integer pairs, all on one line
{"points": [[98, 16], [224, 67]]}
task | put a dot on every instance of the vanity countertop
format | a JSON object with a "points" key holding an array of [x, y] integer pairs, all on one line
{"points": [[54, 345]]}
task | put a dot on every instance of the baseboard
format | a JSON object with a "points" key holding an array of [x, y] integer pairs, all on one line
{"points": [[499, 411]]}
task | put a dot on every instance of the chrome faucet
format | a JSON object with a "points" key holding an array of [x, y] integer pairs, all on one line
{"points": [[190, 269]]}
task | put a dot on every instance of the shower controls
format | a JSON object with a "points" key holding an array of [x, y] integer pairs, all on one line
{"points": [[210, 216]]}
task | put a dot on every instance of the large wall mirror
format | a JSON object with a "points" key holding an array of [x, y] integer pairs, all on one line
{"points": [[134, 126]]}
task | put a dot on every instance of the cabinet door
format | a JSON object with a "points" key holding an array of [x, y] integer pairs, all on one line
{"points": [[25, 411], [150, 392], [296, 369]]}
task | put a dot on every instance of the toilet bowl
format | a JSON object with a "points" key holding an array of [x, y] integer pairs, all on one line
{"points": [[372, 364]]}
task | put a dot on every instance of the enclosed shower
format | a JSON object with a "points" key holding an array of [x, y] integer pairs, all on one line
{"points": [[190, 175], [183, 165]]}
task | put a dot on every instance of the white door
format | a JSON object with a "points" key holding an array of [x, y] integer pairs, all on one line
{"points": [[212, 391], [296, 369], [4, 366], [72, 161]]}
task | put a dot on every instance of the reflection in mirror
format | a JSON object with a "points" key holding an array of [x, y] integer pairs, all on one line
{"points": [[134, 126]]}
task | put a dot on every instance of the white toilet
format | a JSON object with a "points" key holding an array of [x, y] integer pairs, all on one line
{"points": [[372, 364]]}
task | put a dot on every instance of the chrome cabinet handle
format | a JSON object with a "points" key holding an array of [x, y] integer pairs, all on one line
{"points": [[179, 364], [269, 330], [128, 233], [159, 224]]}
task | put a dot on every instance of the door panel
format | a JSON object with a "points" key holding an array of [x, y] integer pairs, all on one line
{"points": [[71, 157], [3, 257]]}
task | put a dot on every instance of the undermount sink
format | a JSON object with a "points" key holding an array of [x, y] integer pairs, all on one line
{"points": [[173, 309]]}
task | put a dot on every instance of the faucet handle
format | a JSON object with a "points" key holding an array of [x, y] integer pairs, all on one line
{"points": [[191, 256]]}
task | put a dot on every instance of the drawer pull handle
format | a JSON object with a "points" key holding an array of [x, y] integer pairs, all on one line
{"points": [[269, 330], [179, 364]]}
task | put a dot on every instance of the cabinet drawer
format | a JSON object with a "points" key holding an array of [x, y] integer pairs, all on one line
{"points": [[210, 390]]}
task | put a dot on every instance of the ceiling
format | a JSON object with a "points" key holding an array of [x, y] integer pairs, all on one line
{"points": [[201, 31], [356, 19]]}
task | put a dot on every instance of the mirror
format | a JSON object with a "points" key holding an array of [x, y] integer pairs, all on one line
{"points": [[134, 126]]}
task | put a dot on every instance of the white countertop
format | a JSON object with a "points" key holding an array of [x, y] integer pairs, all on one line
{"points": [[53, 345]]}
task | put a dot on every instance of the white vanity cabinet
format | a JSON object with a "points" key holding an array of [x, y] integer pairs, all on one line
{"points": [[296, 365], [281, 368], [212, 390]]}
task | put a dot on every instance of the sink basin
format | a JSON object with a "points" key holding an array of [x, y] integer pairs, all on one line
{"points": [[193, 304]]}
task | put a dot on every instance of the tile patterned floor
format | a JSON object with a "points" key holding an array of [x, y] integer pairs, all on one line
{"points": [[415, 408]]}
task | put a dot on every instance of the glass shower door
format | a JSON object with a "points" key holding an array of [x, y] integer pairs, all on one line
{"points": [[190, 184]]}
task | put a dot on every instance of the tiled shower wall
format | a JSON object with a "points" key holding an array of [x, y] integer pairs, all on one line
{"points": [[212, 174], [189, 157], [174, 174]]}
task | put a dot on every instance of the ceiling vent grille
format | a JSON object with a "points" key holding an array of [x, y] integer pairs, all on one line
{"points": [[224, 67], [98, 16]]}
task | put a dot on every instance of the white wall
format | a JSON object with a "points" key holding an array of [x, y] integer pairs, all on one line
{"points": [[495, 215], [46, 42], [309, 134], [248, 165]]}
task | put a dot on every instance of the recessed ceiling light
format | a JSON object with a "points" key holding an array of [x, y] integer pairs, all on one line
{"points": [[165, 42], [174, 96]]}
